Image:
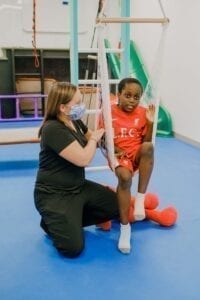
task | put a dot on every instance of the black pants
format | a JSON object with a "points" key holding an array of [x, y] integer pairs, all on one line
{"points": [[65, 214]]}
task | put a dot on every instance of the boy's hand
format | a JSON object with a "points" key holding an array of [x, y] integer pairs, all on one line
{"points": [[150, 113], [119, 152]]}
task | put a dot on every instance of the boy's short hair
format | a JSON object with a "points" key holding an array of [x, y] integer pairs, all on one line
{"points": [[128, 80]]}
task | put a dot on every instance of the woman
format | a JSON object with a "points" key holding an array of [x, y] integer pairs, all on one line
{"points": [[65, 199]]}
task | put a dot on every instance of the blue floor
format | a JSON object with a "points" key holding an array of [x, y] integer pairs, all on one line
{"points": [[21, 124], [164, 262]]}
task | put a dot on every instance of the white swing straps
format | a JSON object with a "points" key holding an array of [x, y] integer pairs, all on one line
{"points": [[152, 90], [105, 92], [153, 84]]}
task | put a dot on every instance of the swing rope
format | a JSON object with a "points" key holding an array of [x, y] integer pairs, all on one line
{"points": [[37, 63]]}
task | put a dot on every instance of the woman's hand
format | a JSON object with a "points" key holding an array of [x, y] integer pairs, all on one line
{"points": [[150, 113], [97, 134]]}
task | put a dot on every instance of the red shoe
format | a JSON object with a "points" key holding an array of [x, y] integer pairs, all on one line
{"points": [[106, 226]]}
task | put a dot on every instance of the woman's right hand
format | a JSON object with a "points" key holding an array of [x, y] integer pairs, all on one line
{"points": [[97, 134]]}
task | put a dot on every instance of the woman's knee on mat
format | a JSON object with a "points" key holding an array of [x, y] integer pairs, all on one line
{"points": [[69, 247]]}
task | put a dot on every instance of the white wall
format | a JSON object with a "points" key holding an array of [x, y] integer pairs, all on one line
{"points": [[181, 64], [52, 23], [181, 68], [181, 77]]}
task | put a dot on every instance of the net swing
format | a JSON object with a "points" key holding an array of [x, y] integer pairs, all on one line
{"points": [[151, 92]]}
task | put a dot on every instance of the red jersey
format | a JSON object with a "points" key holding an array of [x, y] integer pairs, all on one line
{"points": [[129, 128]]}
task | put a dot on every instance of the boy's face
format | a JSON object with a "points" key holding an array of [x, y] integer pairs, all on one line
{"points": [[130, 96]]}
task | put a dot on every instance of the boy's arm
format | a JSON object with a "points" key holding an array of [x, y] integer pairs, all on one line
{"points": [[150, 114], [149, 132]]}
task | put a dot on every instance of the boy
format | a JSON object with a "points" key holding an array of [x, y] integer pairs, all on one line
{"points": [[133, 127]]}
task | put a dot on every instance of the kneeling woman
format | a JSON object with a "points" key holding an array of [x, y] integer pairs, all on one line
{"points": [[64, 198]]}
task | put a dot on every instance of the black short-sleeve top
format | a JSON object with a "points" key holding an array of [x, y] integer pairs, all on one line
{"points": [[54, 171]]}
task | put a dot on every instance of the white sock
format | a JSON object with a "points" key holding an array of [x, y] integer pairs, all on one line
{"points": [[124, 244], [139, 211]]}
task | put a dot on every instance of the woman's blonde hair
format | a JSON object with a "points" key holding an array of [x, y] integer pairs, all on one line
{"points": [[60, 93]]}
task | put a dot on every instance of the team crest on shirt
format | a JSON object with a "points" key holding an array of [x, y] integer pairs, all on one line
{"points": [[136, 122]]}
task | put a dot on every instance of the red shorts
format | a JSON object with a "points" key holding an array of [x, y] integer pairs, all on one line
{"points": [[128, 162]]}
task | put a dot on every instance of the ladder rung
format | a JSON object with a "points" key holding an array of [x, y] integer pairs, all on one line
{"points": [[97, 168], [93, 57], [95, 50], [132, 20], [97, 81], [93, 111]]}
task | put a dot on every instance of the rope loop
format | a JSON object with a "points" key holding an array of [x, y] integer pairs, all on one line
{"points": [[35, 54]]}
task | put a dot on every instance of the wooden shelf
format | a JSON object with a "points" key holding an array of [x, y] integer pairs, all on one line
{"points": [[27, 74]]}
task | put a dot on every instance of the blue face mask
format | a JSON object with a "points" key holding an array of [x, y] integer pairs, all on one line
{"points": [[77, 111]]}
